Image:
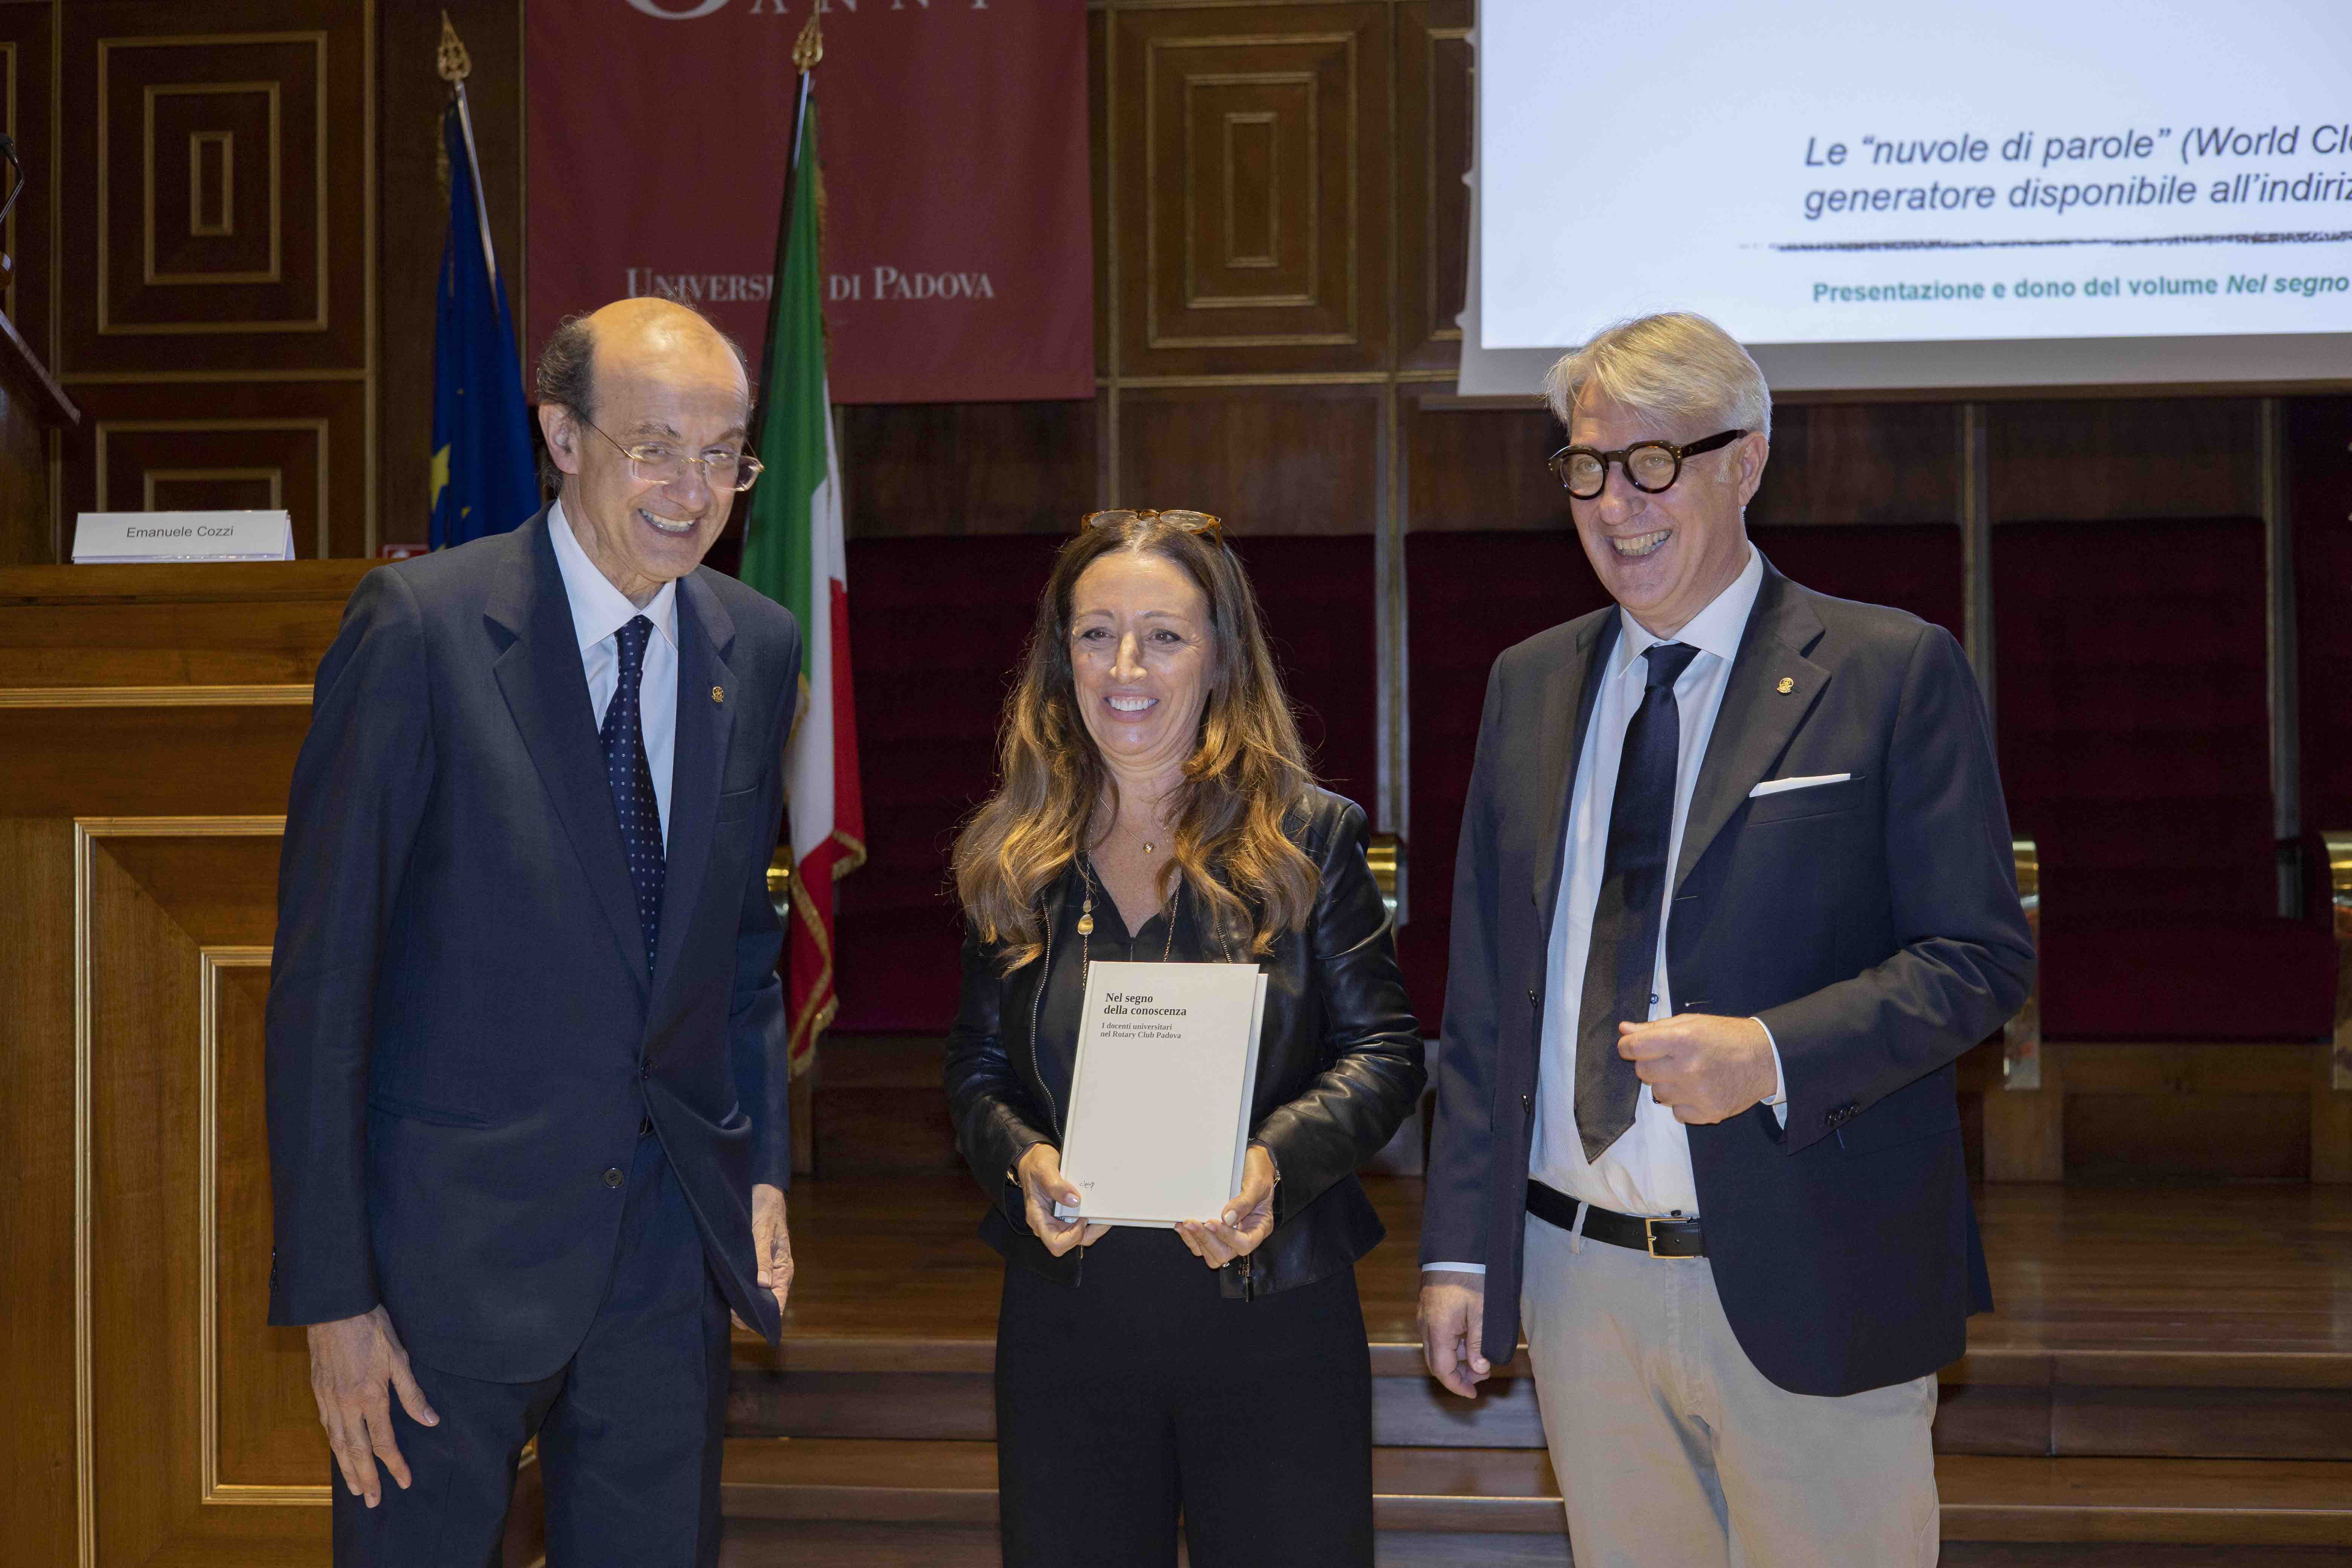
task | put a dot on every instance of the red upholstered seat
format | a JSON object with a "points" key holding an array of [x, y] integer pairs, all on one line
{"points": [[2250, 980]]}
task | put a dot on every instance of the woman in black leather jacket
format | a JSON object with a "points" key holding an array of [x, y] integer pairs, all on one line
{"points": [[1154, 803]]}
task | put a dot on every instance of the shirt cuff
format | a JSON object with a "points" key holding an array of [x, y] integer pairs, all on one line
{"points": [[1779, 1101], [1457, 1267]]}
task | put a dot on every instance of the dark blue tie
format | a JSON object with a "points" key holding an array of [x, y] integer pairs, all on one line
{"points": [[1620, 971], [631, 778]]}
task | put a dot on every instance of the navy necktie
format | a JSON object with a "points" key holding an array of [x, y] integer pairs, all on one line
{"points": [[1621, 970], [631, 778]]}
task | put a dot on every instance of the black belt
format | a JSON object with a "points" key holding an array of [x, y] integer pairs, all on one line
{"points": [[1658, 1238]]}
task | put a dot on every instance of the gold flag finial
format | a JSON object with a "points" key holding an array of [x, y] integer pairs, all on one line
{"points": [[456, 64], [808, 48]]}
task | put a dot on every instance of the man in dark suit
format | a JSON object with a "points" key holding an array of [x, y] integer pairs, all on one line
{"points": [[527, 1084], [1735, 890]]}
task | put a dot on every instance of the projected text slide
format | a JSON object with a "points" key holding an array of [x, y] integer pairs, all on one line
{"points": [[1860, 172]]}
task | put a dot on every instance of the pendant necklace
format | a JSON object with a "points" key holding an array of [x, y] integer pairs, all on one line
{"points": [[1086, 914], [1086, 926]]}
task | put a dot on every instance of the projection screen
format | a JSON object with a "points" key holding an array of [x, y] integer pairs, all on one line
{"points": [[1923, 195]]}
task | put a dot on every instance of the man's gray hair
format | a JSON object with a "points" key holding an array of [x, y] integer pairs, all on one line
{"points": [[1677, 364], [566, 373]]}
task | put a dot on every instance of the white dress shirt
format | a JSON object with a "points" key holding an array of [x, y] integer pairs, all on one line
{"points": [[1647, 1171], [599, 611]]}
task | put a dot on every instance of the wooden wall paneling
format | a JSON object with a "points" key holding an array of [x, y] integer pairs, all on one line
{"points": [[216, 221], [175, 917], [1250, 178], [1860, 463], [222, 442], [1268, 459], [1435, 86], [28, 60], [28, 521], [36, 1131], [2109, 459], [969, 468], [1478, 469], [1098, 177], [282, 284], [416, 221]]}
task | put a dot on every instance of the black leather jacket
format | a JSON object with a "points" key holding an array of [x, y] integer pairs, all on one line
{"points": [[1340, 1065]]}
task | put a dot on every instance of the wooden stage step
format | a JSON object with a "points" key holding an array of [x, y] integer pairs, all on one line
{"points": [[2212, 1405], [2168, 1384], [2252, 1504]]}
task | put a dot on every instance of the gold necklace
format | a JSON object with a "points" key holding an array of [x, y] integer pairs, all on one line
{"points": [[1087, 927]]}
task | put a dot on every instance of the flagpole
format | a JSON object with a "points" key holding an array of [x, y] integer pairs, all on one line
{"points": [[456, 65], [807, 50]]}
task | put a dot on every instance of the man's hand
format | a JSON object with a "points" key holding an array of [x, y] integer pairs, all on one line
{"points": [[352, 1362], [1247, 1221], [1453, 1318], [1041, 1186], [771, 1241], [1707, 1068]]}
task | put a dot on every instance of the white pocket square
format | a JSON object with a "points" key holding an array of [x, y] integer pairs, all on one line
{"points": [[1810, 781]]}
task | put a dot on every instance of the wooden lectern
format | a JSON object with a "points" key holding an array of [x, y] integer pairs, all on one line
{"points": [[32, 405], [149, 720]]}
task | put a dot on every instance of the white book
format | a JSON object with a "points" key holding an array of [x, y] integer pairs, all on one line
{"points": [[1160, 1096]]}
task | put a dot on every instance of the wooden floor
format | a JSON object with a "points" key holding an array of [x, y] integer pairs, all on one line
{"points": [[2168, 1384], [2250, 1270]]}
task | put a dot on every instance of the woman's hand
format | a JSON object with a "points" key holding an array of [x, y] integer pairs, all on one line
{"points": [[1041, 1186], [1247, 1221]]}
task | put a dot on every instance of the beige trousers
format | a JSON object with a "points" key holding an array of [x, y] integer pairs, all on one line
{"points": [[1673, 1452]]}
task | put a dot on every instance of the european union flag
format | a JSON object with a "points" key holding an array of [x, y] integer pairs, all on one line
{"points": [[484, 477]]}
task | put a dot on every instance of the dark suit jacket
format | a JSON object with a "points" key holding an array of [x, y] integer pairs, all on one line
{"points": [[1874, 925], [463, 1038]]}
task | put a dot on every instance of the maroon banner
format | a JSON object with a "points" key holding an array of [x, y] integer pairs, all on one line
{"points": [[957, 224]]}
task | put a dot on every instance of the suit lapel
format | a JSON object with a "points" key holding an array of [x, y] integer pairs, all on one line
{"points": [[1758, 718], [546, 689], [705, 725], [1570, 694]]}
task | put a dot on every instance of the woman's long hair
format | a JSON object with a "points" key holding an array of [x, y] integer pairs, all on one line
{"points": [[1246, 776]]}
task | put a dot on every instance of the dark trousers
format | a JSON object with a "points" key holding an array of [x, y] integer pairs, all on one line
{"points": [[1142, 1393], [628, 1429]]}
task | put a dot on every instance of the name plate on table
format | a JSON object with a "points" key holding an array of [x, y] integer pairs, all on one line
{"points": [[1160, 1099], [127, 536]]}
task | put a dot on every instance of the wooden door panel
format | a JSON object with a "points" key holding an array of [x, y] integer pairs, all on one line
{"points": [[201, 1441]]}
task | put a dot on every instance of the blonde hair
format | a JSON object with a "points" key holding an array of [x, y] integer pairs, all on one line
{"points": [[1246, 778], [1679, 364]]}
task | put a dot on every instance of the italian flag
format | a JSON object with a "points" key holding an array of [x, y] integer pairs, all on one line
{"points": [[792, 552]]}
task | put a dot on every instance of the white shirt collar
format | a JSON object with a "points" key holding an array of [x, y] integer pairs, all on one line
{"points": [[598, 608], [1716, 629]]}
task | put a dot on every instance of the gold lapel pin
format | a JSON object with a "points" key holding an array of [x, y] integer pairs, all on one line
{"points": [[718, 693], [1787, 685]]}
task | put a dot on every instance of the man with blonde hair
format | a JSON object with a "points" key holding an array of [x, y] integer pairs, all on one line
{"points": [[1741, 847]]}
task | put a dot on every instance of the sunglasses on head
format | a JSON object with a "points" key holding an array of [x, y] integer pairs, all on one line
{"points": [[1201, 522]]}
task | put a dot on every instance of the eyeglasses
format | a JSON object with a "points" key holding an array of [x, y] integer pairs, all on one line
{"points": [[1200, 523], [658, 463], [1650, 466]]}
